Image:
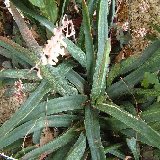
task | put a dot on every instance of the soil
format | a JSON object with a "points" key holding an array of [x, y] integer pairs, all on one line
{"points": [[8, 105]]}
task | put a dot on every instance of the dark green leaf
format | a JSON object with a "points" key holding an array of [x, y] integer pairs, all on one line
{"points": [[61, 153], [19, 73], [133, 122], [64, 7], [35, 125], [77, 151], [76, 80], [24, 151], [76, 52], [113, 149], [90, 57], [132, 144], [102, 26], [132, 62], [151, 115], [112, 12], [26, 108], [149, 78], [58, 105], [127, 83], [92, 4], [93, 134], [52, 145], [15, 51], [50, 10], [37, 136], [101, 70]]}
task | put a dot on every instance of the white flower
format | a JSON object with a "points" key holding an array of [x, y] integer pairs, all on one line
{"points": [[56, 45], [141, 32], [143, 6], [125, 26]]}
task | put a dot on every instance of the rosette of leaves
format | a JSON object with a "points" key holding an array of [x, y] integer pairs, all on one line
{"points": [[94, 107]]}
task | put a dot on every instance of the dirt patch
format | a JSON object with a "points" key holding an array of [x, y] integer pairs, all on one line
{"points": [[8, 105], [141, 14]]}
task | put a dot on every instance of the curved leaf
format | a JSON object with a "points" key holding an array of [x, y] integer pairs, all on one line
{"points": [[102, 26], [76, 80], [35, 125], [77, 151], [15, 51], [53, 145], [133, 122], [124, 86], [58, 105], [101, 70], [26, 108], [19, 73], [25, 32], [132, 144], [113, 149], [93, 134], [132, 62], [90, 57]]}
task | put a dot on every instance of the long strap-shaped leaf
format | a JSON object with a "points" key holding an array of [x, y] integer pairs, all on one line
{"points": [[133, 62], [35, 125], [102, 26], [53, 145], [111, 14], [92, 4], [26, 33], [133, 145], [62, 152], [25, 109], [132, 122], [113, 149], [15, 50], [63, 8], [10, 55], [58, 105], [122, 87], [99, 78], [76, 80], [90, 58], [93, 134], [77, 151], [19, 73]]}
